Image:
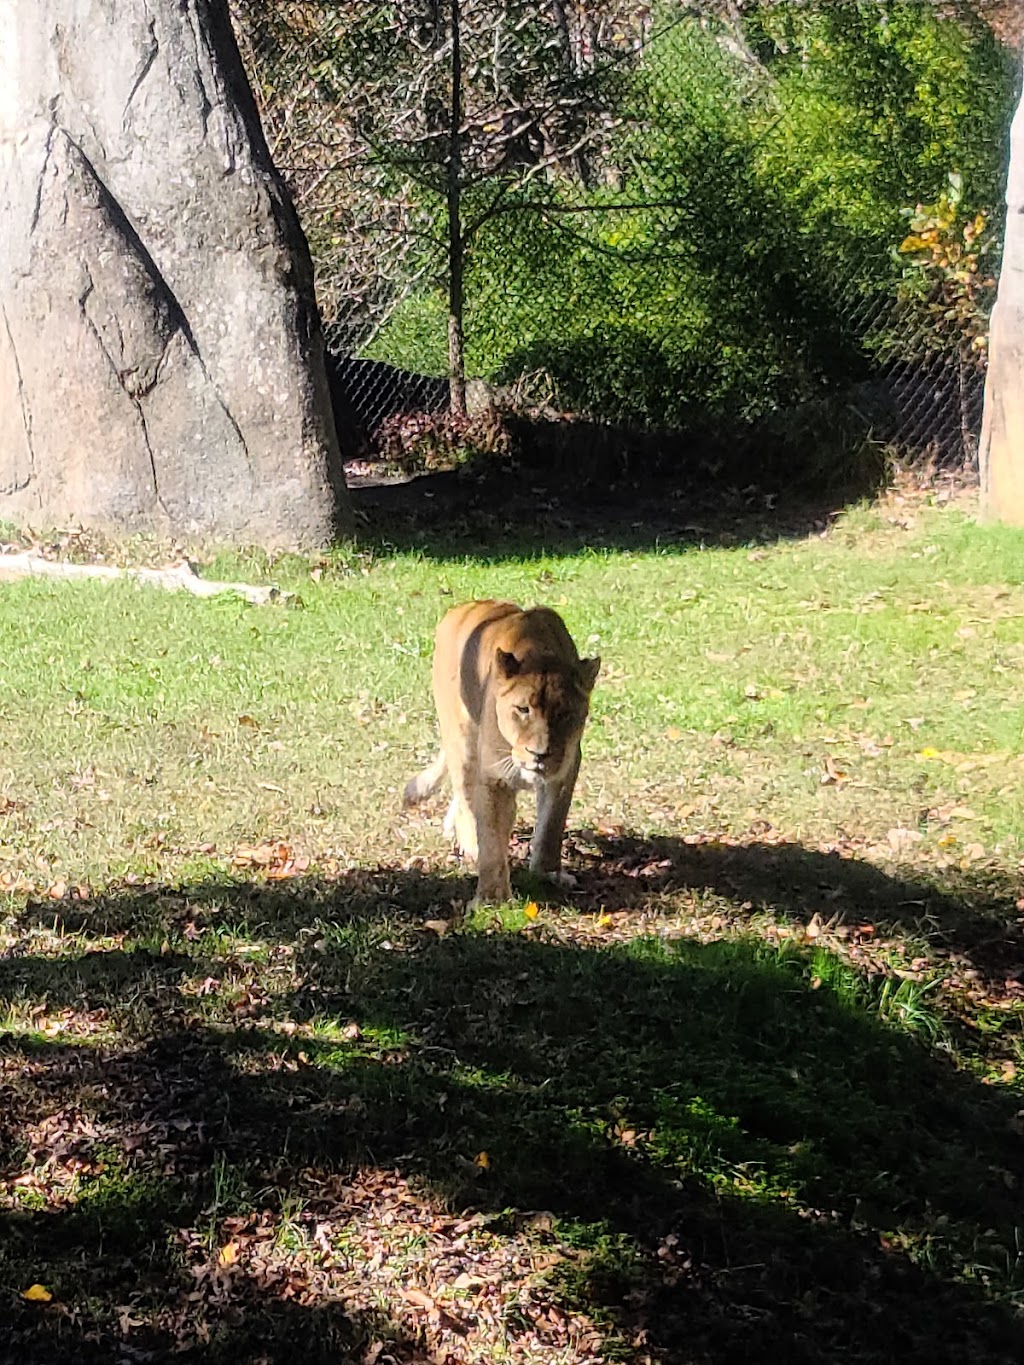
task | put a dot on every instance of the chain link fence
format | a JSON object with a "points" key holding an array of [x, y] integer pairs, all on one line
{"points": [[663, 216]]}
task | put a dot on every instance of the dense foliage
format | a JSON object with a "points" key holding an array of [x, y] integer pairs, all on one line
{"points": [[661, 209], [774, 185]]}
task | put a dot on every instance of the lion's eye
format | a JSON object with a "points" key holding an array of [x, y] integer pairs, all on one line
{"points": [[522, 710]]}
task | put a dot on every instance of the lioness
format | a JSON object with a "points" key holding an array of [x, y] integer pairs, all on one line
{"points": [[512, 696]]}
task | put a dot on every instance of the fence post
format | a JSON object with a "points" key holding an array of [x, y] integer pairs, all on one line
{"points": [[456, 349]]}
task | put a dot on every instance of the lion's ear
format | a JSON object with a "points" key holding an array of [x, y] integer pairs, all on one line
{"points": [[589, 669], [508, 664]]}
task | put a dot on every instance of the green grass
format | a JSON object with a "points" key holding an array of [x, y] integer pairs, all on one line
{"points": [[751, 1092]]}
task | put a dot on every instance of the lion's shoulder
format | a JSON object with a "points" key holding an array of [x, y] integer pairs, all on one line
{"points": [[475, 637], [538, 639]]}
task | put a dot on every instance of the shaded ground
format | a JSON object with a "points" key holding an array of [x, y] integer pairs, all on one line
{"points": [[575, 486], [515, 515], [287, 1110]]}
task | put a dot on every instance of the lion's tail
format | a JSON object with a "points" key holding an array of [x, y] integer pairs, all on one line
{"points": [[424, 784]]}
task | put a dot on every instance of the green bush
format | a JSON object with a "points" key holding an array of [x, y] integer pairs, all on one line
{"points": [[734, 244], [762, 265]]}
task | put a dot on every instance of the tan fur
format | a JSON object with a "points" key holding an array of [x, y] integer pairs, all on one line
{"points": [[512, 697]]}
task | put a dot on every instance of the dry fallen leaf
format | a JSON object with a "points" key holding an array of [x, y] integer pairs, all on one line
{"points": [[832, 774], [467, 1281], [482, 1160], [278, 860], [901, 839], [228, 1254], [291, 867], [962, 813]]}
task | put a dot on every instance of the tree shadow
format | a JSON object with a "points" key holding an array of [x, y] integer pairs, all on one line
{"points": [[972, 919], [661, 1106], [254, 1323], [577, 485]]}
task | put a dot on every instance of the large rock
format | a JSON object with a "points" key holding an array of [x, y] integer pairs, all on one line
{"points": [[161, 358], [1001, 454]]}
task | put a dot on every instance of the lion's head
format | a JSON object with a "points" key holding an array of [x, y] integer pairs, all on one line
{"points": [[541, 711]]}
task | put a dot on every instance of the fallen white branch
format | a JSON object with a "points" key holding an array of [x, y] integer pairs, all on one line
{"points": [[175, 578]]}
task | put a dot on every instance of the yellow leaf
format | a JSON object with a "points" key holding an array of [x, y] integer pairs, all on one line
{"points": [[673, 734], [929, 753], [604, 920], [228, 1254], [531, 910], [36, 1293], [482, 1160]]}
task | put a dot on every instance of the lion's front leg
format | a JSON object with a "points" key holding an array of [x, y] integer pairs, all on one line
{"points": [[460, 828], [460, 822], [553, 801], [495, 812]]}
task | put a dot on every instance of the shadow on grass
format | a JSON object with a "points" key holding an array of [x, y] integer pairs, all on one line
{"points": [[964, 916], [739, 1166], [132, 1281], [551, 504]]}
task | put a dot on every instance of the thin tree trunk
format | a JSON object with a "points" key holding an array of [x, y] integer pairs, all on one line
{"points": [[456, 243]]}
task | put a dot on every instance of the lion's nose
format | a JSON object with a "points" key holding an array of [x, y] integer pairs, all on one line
{"points": [[538, 755]]}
